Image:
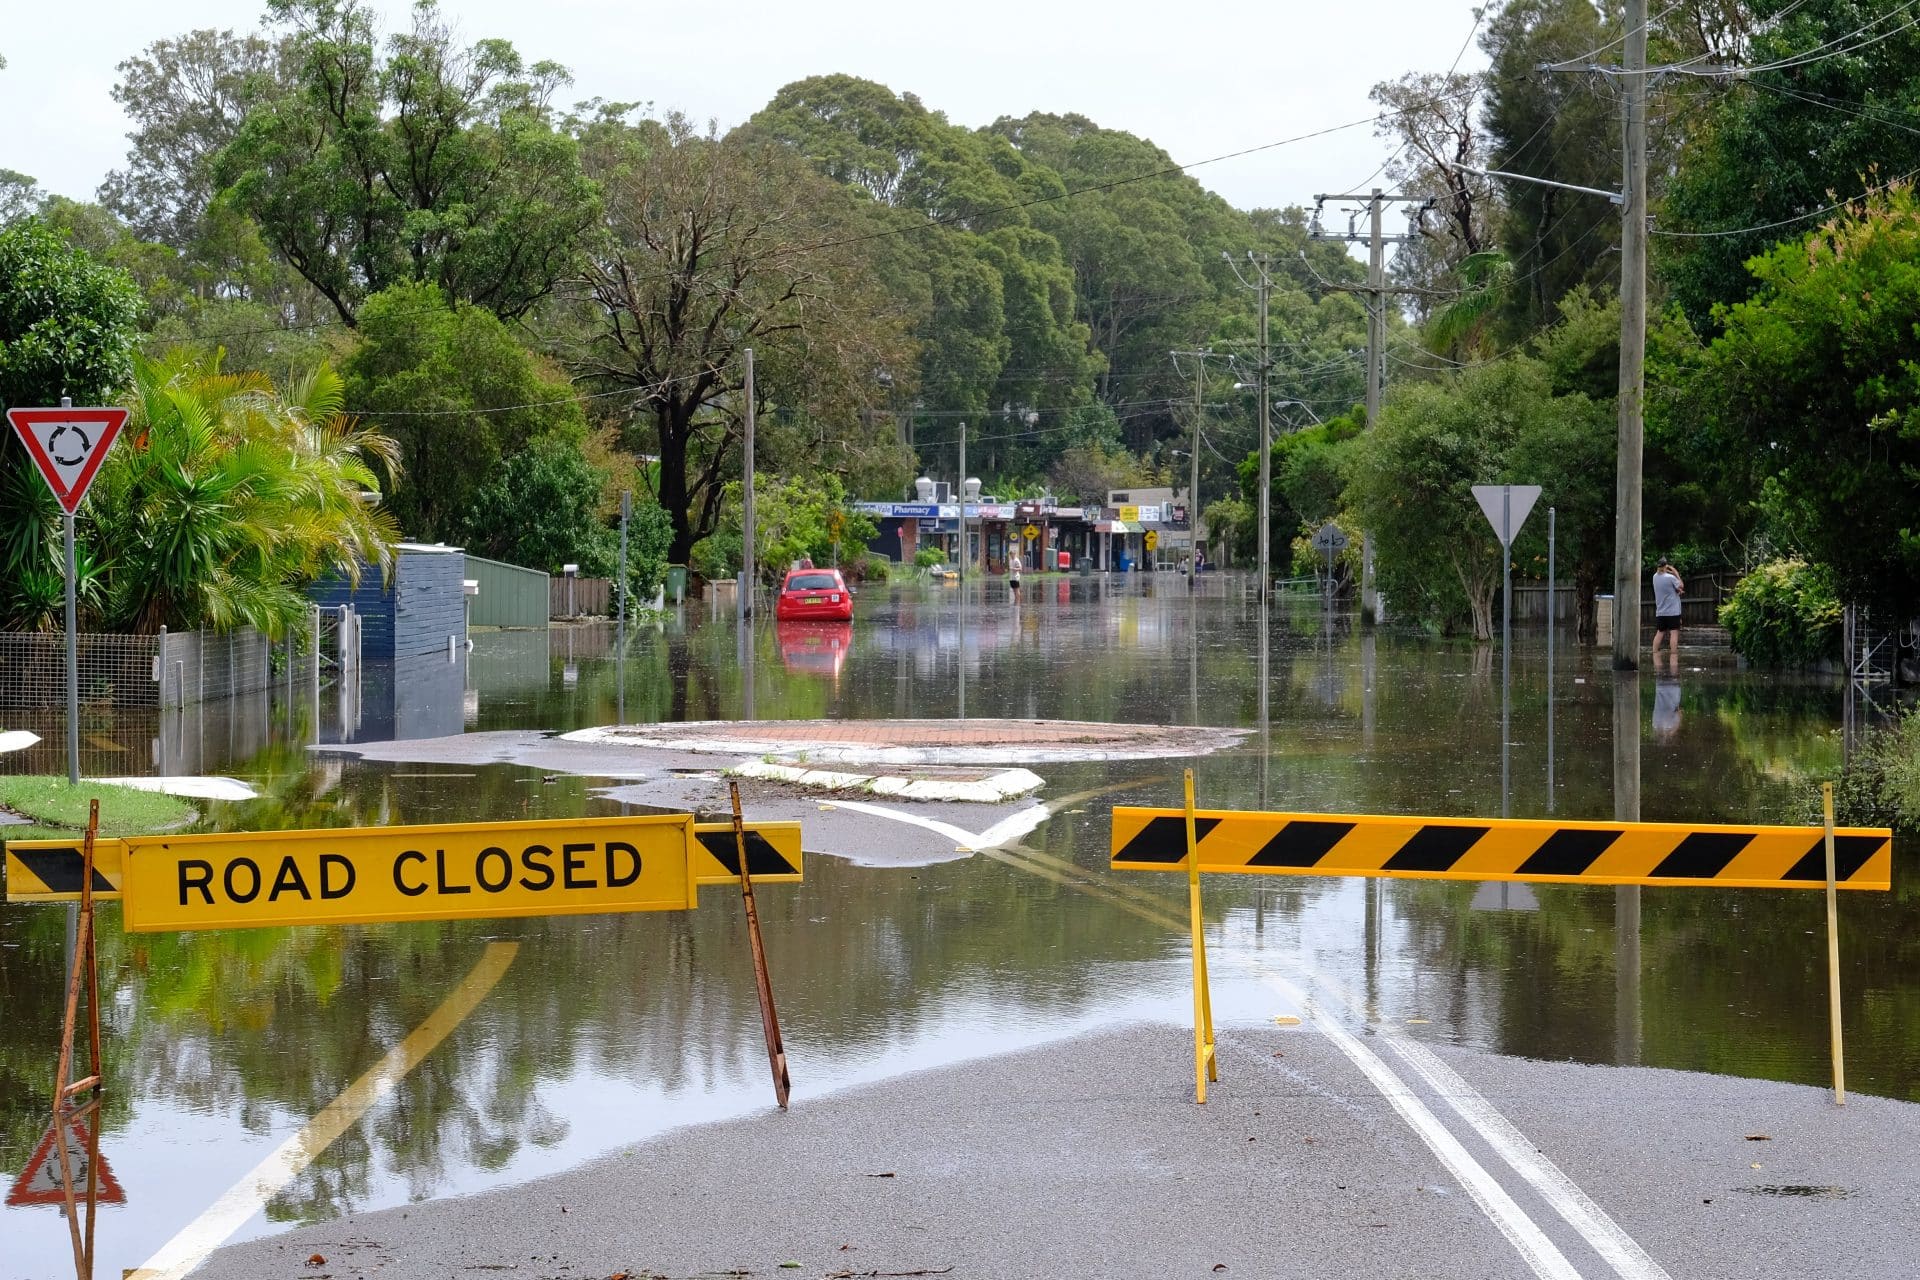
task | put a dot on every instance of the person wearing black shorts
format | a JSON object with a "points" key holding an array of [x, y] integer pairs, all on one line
{"points": [[1667, 590]]}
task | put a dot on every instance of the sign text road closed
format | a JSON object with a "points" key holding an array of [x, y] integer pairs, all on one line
{"points": [[365, 876], [49, 870], [1645, 853]]}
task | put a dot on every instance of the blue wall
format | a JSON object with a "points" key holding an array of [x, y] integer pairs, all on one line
{"points": [[423, 607]]}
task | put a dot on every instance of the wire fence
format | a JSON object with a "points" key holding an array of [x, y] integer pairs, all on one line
{"points": [[167, 669]]}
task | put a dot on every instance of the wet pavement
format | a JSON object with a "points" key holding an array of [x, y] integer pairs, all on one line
{"points": [[908, 954]]}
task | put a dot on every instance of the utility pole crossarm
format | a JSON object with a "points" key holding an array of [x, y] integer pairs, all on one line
{"points": [[1614, 196]]}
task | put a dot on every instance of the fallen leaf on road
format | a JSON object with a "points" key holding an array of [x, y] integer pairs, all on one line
{"points": [[1759, 1137], [888, 1174], [317, 1260], [1219, 1266]]}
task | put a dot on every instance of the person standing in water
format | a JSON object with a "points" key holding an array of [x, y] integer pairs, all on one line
{"points": [[1667, 590], [1014, 565]]}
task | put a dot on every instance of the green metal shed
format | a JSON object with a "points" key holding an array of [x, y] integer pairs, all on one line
{"points": [[510, 596]]}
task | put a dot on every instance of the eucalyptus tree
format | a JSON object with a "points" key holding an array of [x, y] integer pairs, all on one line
{"points": [[711, 244], [368, 164]]}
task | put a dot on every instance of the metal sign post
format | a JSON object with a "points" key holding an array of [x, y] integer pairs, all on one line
{"points": [[1506, 507], [68, 445]]}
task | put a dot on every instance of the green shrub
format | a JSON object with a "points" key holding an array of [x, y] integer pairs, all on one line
{"points": [[1784, 614], [716, 556], [869, 566], [1880, 786], [927, 557]]}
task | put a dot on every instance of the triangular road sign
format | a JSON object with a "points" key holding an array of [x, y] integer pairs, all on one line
{"points": [[1506, 507], [68, 445], [39, 1182]]}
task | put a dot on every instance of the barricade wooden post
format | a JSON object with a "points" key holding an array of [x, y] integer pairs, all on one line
{"points": [[769, 1020], [1205, 1065], [1833, 960], [85, 969]]}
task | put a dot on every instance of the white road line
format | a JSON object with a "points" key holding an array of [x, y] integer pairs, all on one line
{"points": [[1575, 1206], [193, 1242], [1621, 1250], [1521, 1231], [1608, 1238]]}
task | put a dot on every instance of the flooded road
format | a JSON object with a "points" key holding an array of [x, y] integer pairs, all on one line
{"points": [[605, 1031]]}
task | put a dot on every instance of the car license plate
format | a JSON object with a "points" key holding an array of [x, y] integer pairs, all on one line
{"points": [[814, 600]]}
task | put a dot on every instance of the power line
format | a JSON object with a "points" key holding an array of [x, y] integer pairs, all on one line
{"points": [[1798, 217]]}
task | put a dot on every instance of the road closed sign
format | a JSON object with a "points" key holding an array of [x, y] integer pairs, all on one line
{"points": [[364, 876]]}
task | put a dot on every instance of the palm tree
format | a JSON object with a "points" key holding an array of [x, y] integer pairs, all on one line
{"points": [[229, 496], [1461, 326]]}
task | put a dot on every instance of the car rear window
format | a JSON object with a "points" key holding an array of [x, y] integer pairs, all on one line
{"points": [[812, 582]]}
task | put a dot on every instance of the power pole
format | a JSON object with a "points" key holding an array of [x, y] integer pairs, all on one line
{"points": [[1193, 476], [1265, 289], [1633, 341], [1376, 291], [1193, 457], [748, 531]]}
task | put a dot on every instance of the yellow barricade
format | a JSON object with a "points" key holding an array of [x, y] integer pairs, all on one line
{"points": [[1194, 840], [1645, 853], [49, 870]]}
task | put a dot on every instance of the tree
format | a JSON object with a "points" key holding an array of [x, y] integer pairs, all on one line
{"points": [[1561, 126], [1413, 476], [1144, 240], [1785, 144], [1810, 394], [187, 97], [458, 396], [229, 496], [432, 163], [796, 518], [712, 245], [544, 506], [999, 328], [1434, 118], [20, 197], [66, 329]]}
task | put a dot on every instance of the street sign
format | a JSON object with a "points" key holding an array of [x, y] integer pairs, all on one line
{"points": [[1329, 537], [1031, 532], [472, 870], [1645, 853], [49, 870], [40, 1182], [68, 446], [1151, 539], [1506, 507]]}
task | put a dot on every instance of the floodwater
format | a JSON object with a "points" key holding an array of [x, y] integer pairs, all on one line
{"points": [[605, 1031]]}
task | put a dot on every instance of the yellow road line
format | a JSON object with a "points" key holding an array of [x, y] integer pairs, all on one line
{"points": [[190, 1247]]}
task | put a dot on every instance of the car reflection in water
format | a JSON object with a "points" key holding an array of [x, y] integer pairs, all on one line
{"points": [[814, 648]]}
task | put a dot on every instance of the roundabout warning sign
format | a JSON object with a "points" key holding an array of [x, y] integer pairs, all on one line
{"points": [[68, 445]]}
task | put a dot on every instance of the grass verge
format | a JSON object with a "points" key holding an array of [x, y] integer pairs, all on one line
{"points": [[58, 809]]}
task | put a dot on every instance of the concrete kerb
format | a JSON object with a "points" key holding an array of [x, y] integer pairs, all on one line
{"points": [[995, 788], [920, 742]]}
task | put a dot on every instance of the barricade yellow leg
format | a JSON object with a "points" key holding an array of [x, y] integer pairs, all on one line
{"points": [[1205, 1065], [1833, 960]]}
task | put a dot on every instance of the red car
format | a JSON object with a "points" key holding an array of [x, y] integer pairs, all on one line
{"points": [[814, 593]]}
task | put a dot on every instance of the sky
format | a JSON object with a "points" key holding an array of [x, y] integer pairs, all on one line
{"points": [[1201, 79]]}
